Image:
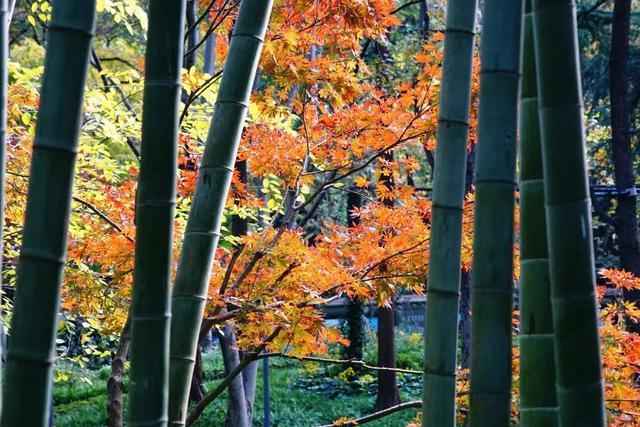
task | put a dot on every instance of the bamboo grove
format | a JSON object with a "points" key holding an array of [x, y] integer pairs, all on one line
{"points": [[529, 206]]}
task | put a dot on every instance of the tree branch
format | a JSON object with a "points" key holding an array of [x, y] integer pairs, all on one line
{"points": [[378, 415], [348, 362], [211, 396]]}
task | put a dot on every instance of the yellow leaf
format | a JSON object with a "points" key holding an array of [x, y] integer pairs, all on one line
{"points": [[361, 181]]}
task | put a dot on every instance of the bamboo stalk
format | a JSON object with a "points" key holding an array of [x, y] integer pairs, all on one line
{"points": [[203, 225], [492, 289], [568, 211], [443, 284], [150, 312], [538, 405], [42, 256]]}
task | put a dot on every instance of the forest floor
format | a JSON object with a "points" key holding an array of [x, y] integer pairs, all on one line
{"points": [[301, 394]]}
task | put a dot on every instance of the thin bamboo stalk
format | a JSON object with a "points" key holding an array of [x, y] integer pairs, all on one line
{"points": [[538, 405], [443, 284], [492, 288], [150, 311], [42, 256], [579, 383], [203, 225]]}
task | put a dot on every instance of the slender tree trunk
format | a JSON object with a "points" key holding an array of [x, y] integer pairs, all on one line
{"points": [[249, 382], [538, 404], [626, 220], [214, 177], [355, 308], [464, 326], [197, 392], [193, 38], [355, 330], [388, 393], [238, 412], [492, 288], [237, 406], [579, 381], [210, 54], [115, 382], [32, 349], [424, 20]]}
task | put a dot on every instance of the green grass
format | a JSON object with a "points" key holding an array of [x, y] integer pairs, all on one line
{"points": [[302, 394]]}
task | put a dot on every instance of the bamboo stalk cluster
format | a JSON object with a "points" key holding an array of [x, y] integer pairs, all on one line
{"points": [[561, 378]]}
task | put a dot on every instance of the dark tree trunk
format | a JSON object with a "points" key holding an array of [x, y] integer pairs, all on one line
{"points": [[355, 309], [237, 405], [424, 20], [197, 392], [249, 381], [193, 37], [464, 327], [243, 388], [355, 330], [626, 222], [240, 226], [114, 383], [388, 394], [209, 66]]}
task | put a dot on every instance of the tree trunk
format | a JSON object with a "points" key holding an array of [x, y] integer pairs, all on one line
{"points": [[424, 21], [464, 326], [355, 330], [249, 382], [193, 38], [626, 221], [114, 383], [210, 54], [355, 308], [388, 394], [197, 392], [237, 405]]}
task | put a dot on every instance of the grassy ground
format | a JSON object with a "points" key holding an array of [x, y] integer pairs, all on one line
{"points": [[302, 394]]}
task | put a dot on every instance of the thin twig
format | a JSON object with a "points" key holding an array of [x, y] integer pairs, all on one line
{"points": [[348, 362]]}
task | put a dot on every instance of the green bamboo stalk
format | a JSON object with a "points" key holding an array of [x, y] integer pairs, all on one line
{"points": [[579, 383], [443, 284], [538, 405], [492, 289], [42, 256], [203, 225], [150, 311]]}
